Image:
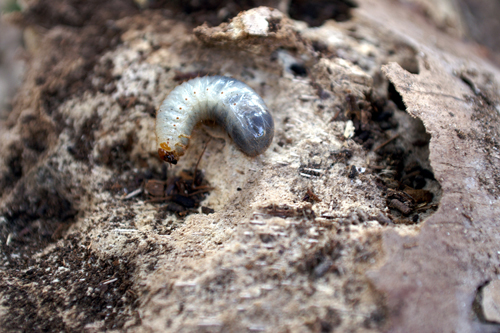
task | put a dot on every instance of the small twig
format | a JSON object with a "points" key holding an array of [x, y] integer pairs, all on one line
{"points": [[313, 170], [411, 174], [125, 231], [306, 98], [197, 163], [132, 194], [335, 116], [387, 142], [109, 281], [205, 189]]}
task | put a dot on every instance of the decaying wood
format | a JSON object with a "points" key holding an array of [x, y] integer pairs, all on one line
{"points": [[375, 208]]}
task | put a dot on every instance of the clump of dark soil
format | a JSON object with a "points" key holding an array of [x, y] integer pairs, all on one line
{"points": [[67, 282], [38, 211], [43, 287]]}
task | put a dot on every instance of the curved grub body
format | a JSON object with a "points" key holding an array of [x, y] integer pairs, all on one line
{"points": [[228, 102]]}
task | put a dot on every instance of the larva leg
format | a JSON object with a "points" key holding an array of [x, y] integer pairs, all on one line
{"points": [[178, 144]]}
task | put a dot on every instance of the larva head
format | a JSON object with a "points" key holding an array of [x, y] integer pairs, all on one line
{"points": [[168, 156], [255, 130]]}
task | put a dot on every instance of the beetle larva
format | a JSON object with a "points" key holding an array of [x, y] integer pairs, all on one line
{"points": [[224, 100]]}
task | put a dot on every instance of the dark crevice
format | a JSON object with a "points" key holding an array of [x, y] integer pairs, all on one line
{"points": [[477, 308], [478, 315], [213, 12], [401, 143], [316, 12], [394, 96], [298, 69]]}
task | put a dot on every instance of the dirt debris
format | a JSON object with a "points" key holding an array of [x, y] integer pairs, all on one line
{"points": [[259, 30]]}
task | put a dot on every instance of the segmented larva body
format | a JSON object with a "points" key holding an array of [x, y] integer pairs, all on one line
{"points": [[224, 100]]}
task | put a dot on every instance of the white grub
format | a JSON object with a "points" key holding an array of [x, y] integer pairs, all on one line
{"points": [[223, 100]]}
